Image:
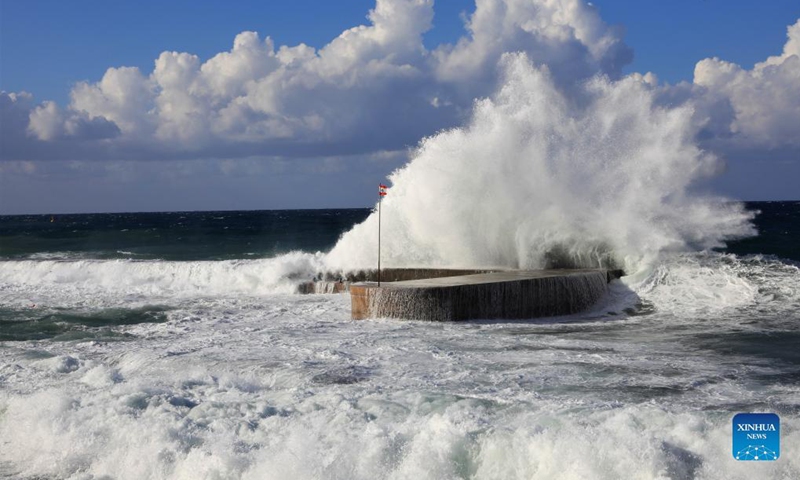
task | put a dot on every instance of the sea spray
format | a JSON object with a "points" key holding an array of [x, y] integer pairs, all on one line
{"points": [[537, 178]]}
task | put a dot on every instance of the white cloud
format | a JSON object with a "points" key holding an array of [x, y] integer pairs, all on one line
{"points": [[227, 74], [123, 96], [566, 35], [374, 87], [15, 109], [377, 88], [760, 107], [791, 48], [46, 121]]}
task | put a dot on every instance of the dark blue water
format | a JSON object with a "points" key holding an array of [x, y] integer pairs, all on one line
{"points": [[778, 225], [176, 354], [190, 236], [267, 233], [174, 235]]}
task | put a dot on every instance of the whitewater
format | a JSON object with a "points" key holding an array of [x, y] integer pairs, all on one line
{"points": [[129, 368]]}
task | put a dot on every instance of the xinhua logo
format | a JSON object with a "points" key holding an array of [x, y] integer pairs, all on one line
{"points": [[756, 436]]}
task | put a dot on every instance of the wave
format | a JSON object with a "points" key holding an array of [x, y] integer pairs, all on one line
{"points": [[421, 436], [684, 285], [538, 178], [706, 284], [27, 280]]}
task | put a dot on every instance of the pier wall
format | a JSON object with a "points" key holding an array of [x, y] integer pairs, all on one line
{"points": [[494, 295]]}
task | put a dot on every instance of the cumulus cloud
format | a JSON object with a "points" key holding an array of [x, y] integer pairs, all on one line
{"points": [[48, 122], [568, 36], [761, 106], [373, 88], [123, 96], [14, 111], [377, 88]]}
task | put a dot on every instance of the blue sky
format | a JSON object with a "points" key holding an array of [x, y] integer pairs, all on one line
{"points": [[48, 48], [48, 45]]}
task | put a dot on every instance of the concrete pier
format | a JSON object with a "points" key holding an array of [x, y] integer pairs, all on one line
{"points": [[339, 282], [464, 295]]}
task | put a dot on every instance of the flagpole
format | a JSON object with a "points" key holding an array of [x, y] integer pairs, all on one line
{"points": [[381, 193]]}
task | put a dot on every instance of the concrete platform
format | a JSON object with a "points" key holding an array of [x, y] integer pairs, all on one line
{"points": [[339, 282], [514, 294]]}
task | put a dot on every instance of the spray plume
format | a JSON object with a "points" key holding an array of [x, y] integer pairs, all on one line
{"points": [[601, 176]]}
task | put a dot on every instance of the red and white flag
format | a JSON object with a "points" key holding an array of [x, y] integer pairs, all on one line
{"points": [[382, 189]]}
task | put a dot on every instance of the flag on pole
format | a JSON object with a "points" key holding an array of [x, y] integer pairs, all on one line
{"points": [[381, 193]]}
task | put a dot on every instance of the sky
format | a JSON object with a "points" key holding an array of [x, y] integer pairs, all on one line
{"points": [[157, 106]]}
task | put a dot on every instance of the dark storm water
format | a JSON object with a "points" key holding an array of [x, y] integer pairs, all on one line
{"points": [[778, 225], [167, 236], [715, 335], [174, 235], [267, 233], [209, 236]]}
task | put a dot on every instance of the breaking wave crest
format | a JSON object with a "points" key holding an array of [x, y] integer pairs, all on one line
{"points": [[711, 284], [28, 280], [539, 179]]}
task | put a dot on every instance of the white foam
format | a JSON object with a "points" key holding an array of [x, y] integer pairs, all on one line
{"points": [[58, 364], [94, 282], [286, 386], [190, 428], [713, 284], [537, 178]]}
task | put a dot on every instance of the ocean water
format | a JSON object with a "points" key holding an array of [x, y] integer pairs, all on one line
{"points": [[172, 346]]}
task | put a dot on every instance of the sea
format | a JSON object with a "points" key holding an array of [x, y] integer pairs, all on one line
{"points": [[175, 346]]}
